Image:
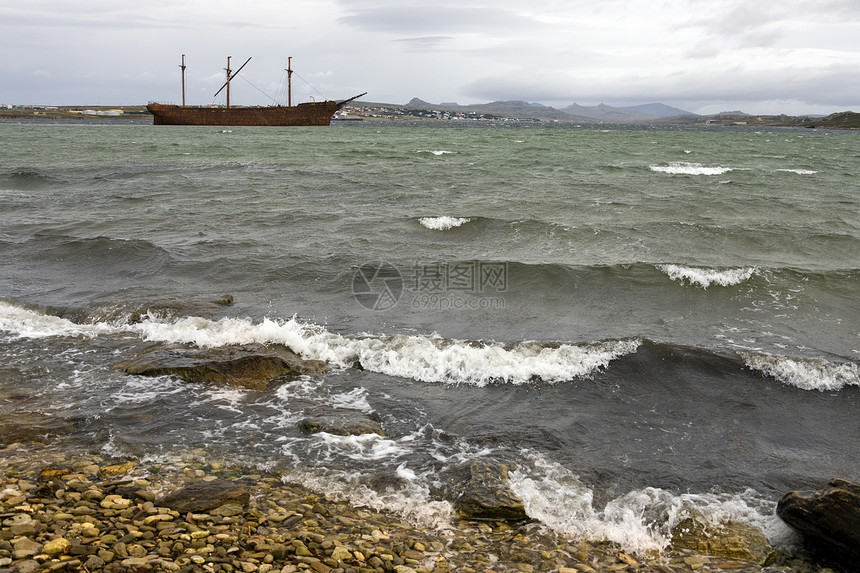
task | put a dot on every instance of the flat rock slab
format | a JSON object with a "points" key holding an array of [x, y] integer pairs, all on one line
{"points": [[252, 366], [31, 427], [205, 496]]}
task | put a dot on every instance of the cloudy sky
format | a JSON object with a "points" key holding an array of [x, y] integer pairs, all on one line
{"points": [[704, 56]]}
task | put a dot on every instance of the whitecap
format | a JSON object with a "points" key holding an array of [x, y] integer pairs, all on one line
{"points": [[799, 171], [443, 223], [804, 373], [424, 358], [435, 151], [705, 277], [684, 168]]}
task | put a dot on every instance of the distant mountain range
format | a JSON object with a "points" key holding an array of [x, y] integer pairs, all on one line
{"points": [[575, 112]]}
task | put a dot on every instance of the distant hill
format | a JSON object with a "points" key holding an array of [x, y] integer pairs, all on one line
{"points": [[575, 112], [645, 112], [515, 108]]}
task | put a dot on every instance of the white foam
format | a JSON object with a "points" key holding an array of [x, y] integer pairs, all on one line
{"points": [[424, 358], [640, 521], [360, 448], [705, 277], [804, 373], [27, 323], [411, 499], [685, 168], [355, 399], [799, 171], [435, 151], [443, 223]]}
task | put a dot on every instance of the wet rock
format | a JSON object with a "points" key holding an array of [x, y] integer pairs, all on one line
{"points": [[57, 546], [30, 427], [486, 494], [204, 496], [252, 366], [114, 470], [730, 540], [115, 502], [341, 422], [24, 547], [829, 519]]}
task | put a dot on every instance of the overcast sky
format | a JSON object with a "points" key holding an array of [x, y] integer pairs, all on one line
{"points": [[704, 56]]}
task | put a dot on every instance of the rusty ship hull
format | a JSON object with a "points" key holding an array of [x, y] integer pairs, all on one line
{"points": [[311, 113]]}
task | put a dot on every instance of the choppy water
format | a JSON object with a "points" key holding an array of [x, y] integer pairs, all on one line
{"points": [[644, 322]]}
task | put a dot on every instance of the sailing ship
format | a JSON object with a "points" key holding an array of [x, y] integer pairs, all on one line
{"points": [[309, 113]]}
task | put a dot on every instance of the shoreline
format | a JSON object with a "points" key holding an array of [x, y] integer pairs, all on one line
{"points": [[71, 512]]}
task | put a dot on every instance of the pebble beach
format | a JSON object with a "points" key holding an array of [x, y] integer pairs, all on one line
{"points": [[90, 513]]}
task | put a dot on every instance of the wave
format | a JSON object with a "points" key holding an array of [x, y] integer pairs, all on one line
{"points": [[705, 277], [443, 223], [685, 168], [435, 151], [428, 358], [804, 373], [799, 171], [423, 358]]}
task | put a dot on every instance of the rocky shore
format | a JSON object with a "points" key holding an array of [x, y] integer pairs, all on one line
{"points": [[88, 513]]}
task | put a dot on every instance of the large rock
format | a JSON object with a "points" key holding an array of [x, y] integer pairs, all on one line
{"points": [[732, 540], [487, 495], [829, 519], [252, 366], [204, 496]]}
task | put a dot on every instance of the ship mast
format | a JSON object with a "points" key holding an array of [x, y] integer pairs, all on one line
{"points": [[289, 82], [228, 82], [183, 79], [230, 77]]}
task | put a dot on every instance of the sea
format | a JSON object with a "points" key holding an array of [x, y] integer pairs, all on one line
{"points": [[642, 323]]}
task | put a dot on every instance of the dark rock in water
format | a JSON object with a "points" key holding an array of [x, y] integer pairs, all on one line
{"points": [[206, 495], [731, 540], [225, 300], [486, 494], [253, 366], [30, 427], [829, 519], [341, 422]]}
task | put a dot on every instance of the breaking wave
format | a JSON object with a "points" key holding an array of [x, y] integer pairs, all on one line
{"points": [[705, 277], [684, 168], [804, 373], [424, 358], [443, 223]]}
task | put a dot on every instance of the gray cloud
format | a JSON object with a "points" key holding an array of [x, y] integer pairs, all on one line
{"points": [[789, 57]]}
